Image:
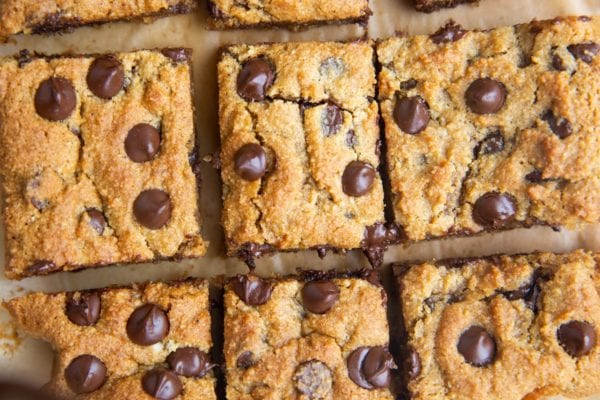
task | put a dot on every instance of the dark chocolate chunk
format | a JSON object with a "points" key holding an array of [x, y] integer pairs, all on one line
{"points": [[486, 96], [152, 208], [142, 143], [41, 267], [319, 296], [251, 289], [178, 55], [331, 120], [449, 33], [477, 346], [245, 360], [314, 380], [358, 178], [369, 367], [411, 114], [161, 384], [97, 220], [189, 362], [412, 364], [560, 126], [55, 99], [409, 84], [584, 51], [106, 77], [558, 63], [84, 309], [249, 251], [250, 162], [147, 325], [493, 143], [85, 374], [534, 176], [494, 210], [578, 338], [255, 79]]}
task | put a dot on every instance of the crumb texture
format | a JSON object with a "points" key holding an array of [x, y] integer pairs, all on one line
{"points": [[493, 130], [522, 327]]}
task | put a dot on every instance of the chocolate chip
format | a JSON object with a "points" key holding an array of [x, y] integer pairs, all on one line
{"points": [[83, 309], [41, 267], [245, 360], [142, 143], [152, 208], [358, 178], [97, 220], [493, 143], [255, 79], [319, 296], [412, 364], [534, 176], [477, 346], [250, 162], [529, 292], [161, 384], [331, 120], [214, 10], [560, 126], [486, 96], [409, 84], [147, 325], [494, 210], [39, 204], [55, 99], [411, 114], [189, 362], [584, 51], [558, 63], [106, 77], [178, 55], [449, 33], [314, 380], [376, 238], [252, 290], [85, 374], [578, 338], [331, 66], [369, 367], [351, 138]]}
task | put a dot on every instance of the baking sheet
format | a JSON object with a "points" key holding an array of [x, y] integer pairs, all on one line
{"points": [[31, 360]]}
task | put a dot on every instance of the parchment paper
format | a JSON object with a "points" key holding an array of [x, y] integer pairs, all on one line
{"points": [[31, 360]]}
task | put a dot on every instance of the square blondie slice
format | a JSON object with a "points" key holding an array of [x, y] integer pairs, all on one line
{"points": [[293, 14], [47, 16], [318, 337], [96, 160], [144, 342], [300, 148], [493, 130], [503, 327]]}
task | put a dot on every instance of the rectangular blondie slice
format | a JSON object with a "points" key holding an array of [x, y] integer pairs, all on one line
{"points": [[300, 147], [510, 328], [96, 160], [318, 337], [144, 342], [46, 16], [493, 130]]}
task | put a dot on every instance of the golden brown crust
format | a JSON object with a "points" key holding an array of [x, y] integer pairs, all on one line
{"points": [[43, 316], [440, 302], [435, 176], [305, 181], [79, 164]]}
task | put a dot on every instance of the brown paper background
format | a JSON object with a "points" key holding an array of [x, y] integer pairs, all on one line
{"points": [[31, 360]]}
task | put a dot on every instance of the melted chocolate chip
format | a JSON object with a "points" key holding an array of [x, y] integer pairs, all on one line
{"points": [[189, 362], [245, 360], [560, 126], [584, 51], [331, 66], [314, 379], [106, 77], [351, 138], [358, 178], [331, 120], [84, 309], [152, 208], [55, 99], [178, 55], [255, 79], [486, 96], [97, 220], [147, 325], [369, 367], [252, 290], [534, 176], [409, 84], [85, 374], [319, 296], [411, 114], [493, 143], [142, 143], [494, 210], [412, 364], [578, 338], [529, 293], [449, 33], [41, 267], [477, 346], [250, 162], [376, 238], [558, 63], [161, 384]]}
